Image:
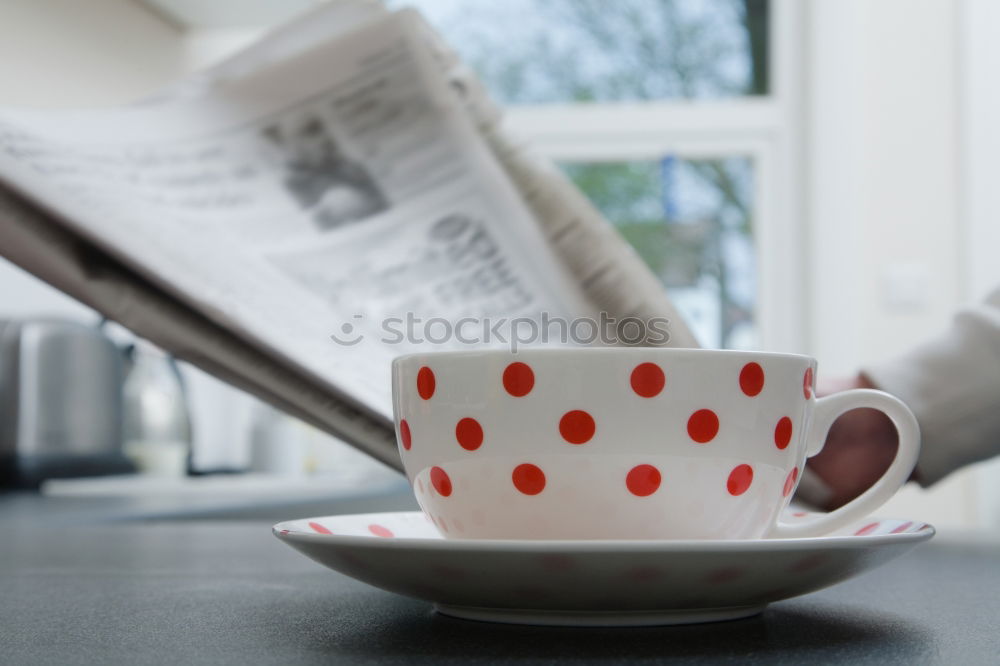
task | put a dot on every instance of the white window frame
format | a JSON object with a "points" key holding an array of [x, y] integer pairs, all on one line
{"points": [[766, 129]]}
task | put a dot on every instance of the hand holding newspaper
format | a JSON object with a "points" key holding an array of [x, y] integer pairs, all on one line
{"points": [[282, 220]]}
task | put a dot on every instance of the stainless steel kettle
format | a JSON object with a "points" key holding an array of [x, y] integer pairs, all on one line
{"points": [[60, 402]]}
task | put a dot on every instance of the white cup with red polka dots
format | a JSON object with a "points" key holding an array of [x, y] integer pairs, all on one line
{"points": [[623, 443]]}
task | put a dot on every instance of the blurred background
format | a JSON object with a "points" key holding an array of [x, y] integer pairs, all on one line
{"points": [[807, 176]]}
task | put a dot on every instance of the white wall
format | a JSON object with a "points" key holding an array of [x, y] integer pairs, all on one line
{"points": [[979, 113], [980, 147], [883, 154], [889, 245], [73, 53]]}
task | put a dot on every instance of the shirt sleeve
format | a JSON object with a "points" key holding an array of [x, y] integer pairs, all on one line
{"points": [[952, 384]]}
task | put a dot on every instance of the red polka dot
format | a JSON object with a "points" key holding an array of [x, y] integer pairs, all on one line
{"points": [[469, 434], [739, 479], [426, 383], [643, 480], [752, 379], [528, 478], [902, 528], [380, 531], [319, 528], [725, 575], [703, 426], [790, 482], [808, 563], [441, 481], [577, 426], [647, 380], [518, 379], [404, 434], [807, 383], [783, 432], [867, 529]]}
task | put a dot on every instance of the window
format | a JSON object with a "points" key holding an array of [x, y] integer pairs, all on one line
{"points": [[676, 118], [545, 51], [691, 221]]}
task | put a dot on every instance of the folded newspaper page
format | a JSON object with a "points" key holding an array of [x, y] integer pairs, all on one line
{"points": [[340, 193]]}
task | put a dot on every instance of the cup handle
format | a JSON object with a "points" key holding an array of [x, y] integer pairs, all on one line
{"points": [[826, 412]]}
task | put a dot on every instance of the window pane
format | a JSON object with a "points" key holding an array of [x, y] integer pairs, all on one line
{"points": [[692, 223], [537, 51]]}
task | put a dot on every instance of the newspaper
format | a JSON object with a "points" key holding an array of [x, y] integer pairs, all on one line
{"points": [[266, 218]]}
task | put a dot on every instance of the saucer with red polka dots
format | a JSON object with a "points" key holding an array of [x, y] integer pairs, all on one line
{"points": [[594, 582]]}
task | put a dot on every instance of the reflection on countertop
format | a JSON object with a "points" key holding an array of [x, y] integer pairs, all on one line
{"points": [[236, 497]]}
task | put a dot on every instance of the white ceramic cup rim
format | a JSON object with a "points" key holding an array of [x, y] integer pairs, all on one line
{"points": [[672, 351]]}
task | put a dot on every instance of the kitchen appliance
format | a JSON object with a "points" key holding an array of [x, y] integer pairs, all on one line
{"points": [[60, 402], [157, 424]]}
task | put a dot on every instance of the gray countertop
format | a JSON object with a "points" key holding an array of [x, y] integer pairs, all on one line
{"points": [[76, 591]]}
